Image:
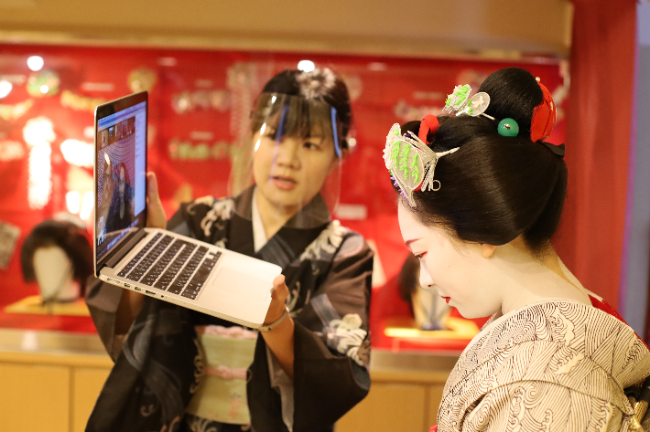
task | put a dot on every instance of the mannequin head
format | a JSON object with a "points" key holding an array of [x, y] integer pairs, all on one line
{"points": [[54, 274], [57, 255]]}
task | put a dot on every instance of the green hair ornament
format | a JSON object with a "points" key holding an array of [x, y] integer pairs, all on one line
{"points": [[411, 163], [460, 102]]}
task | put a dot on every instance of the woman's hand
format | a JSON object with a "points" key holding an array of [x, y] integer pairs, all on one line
{"points": [[155, 212], [280, 339], [278, 300], [131, 302]]}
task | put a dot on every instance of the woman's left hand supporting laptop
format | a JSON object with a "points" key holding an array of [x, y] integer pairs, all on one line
{"points": [[155, 212], [131, 302]]}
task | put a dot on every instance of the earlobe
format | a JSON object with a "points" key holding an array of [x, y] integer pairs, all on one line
{"points": [[487, 250]]}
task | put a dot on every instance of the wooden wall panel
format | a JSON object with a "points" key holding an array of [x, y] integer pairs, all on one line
{"points": [[388, 408], [406, 28], [34, 398], [86, 385], [433, 400]]}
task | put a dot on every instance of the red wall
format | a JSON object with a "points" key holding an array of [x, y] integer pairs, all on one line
{"points": [[384, 90]]}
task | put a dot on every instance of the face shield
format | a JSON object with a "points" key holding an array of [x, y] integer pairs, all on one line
{"points": [[292, 156]]}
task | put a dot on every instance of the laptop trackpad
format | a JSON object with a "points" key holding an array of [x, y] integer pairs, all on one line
{"points": [[239, 294]]}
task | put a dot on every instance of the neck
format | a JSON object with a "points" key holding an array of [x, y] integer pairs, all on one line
{"points": [[528, 279], [273, 216]]}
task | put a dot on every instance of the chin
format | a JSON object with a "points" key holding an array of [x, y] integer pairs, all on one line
{"points": [[280, 199], [474, 314]]}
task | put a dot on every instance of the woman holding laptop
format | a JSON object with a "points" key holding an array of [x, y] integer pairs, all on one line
{"points": [[176, 369]]}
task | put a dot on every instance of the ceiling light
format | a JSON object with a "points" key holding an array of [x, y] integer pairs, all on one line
{"points": [[5, 88], [35, 63], [306, 65]]}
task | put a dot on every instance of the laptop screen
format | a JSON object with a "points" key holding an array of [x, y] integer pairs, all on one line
{"points": [[120, 170]]}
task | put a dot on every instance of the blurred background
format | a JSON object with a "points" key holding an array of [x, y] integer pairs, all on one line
{"points": [[203, 62]]}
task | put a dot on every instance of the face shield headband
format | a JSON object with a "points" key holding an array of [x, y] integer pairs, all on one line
{"points": [[333, 122]]}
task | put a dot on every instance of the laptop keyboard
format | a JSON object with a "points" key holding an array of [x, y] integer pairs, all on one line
{"points": [[172, 265]]}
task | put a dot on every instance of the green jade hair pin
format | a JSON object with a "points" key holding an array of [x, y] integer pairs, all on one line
{"points": [[411, 163]]}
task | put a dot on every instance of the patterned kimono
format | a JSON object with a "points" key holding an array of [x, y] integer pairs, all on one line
{"points": [[555, 366], [159, 365]]}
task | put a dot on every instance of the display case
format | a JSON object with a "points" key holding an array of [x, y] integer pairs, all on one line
{"points": [[199, 108]]}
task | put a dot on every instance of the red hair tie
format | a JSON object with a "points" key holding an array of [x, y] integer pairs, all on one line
{"points": [[428, 125], [544, 117]]}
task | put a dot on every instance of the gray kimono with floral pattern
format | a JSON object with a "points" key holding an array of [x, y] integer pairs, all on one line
{"points": [[556, 366], [158, 366]]}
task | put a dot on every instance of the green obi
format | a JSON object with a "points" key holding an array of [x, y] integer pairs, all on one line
{"points": [[228, 352]]}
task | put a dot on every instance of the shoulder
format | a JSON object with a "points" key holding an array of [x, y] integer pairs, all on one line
{"points": [[209, 203], [208, 208], [202, 215], [570, 345], [577, 326], [337, 242], [533, 406], [353, 243]]}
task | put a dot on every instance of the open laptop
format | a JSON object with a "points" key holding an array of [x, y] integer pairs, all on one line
{"points": [[156, 262]]}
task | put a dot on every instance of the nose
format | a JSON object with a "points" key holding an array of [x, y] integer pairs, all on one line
{"points": [[287, 153], [425, 277]]}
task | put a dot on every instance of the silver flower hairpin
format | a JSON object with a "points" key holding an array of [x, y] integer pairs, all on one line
{"points": [[411, 162], [459, 103]]}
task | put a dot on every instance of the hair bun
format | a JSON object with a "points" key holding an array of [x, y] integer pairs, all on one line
{"points": [[516, 94]]}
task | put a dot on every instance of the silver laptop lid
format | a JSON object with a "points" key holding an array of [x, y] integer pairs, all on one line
{"points": [[120, 173]]}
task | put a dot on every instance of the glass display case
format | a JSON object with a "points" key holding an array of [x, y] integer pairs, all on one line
{"points": [[200, 104]]}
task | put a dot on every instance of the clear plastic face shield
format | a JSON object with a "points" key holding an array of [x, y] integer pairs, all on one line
{"points": [[293, 156]]}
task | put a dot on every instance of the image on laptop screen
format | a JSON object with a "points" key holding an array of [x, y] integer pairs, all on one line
{"points": [[121, 175]]}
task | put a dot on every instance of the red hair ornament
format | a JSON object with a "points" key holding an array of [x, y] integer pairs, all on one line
{"points": [[428, 125], [544, 117]]}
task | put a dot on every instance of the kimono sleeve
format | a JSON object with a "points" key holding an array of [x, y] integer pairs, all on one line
{"points": [[103, 299], [331, 357], [531, 406]]}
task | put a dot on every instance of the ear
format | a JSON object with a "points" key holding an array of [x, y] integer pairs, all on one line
{"points": [[487, 250]]}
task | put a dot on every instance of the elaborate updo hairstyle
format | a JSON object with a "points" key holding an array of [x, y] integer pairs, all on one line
{"points": [[320, 85], [495, 188]]}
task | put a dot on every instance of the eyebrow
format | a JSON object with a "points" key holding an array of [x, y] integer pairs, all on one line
{"points": [[408, 242]]}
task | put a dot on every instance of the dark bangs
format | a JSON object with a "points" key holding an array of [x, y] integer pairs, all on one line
{"points": [[291, 116]]}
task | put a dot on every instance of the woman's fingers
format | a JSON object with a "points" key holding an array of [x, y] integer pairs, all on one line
{"points": [[280, 289], [279, 281], [155, 212], [279, 295]]}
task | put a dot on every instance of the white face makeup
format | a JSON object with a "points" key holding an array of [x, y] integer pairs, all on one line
{"points": [[457, 269]]}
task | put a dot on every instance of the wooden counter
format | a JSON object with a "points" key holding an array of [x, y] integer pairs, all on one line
{"points": [[49, 382]]}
